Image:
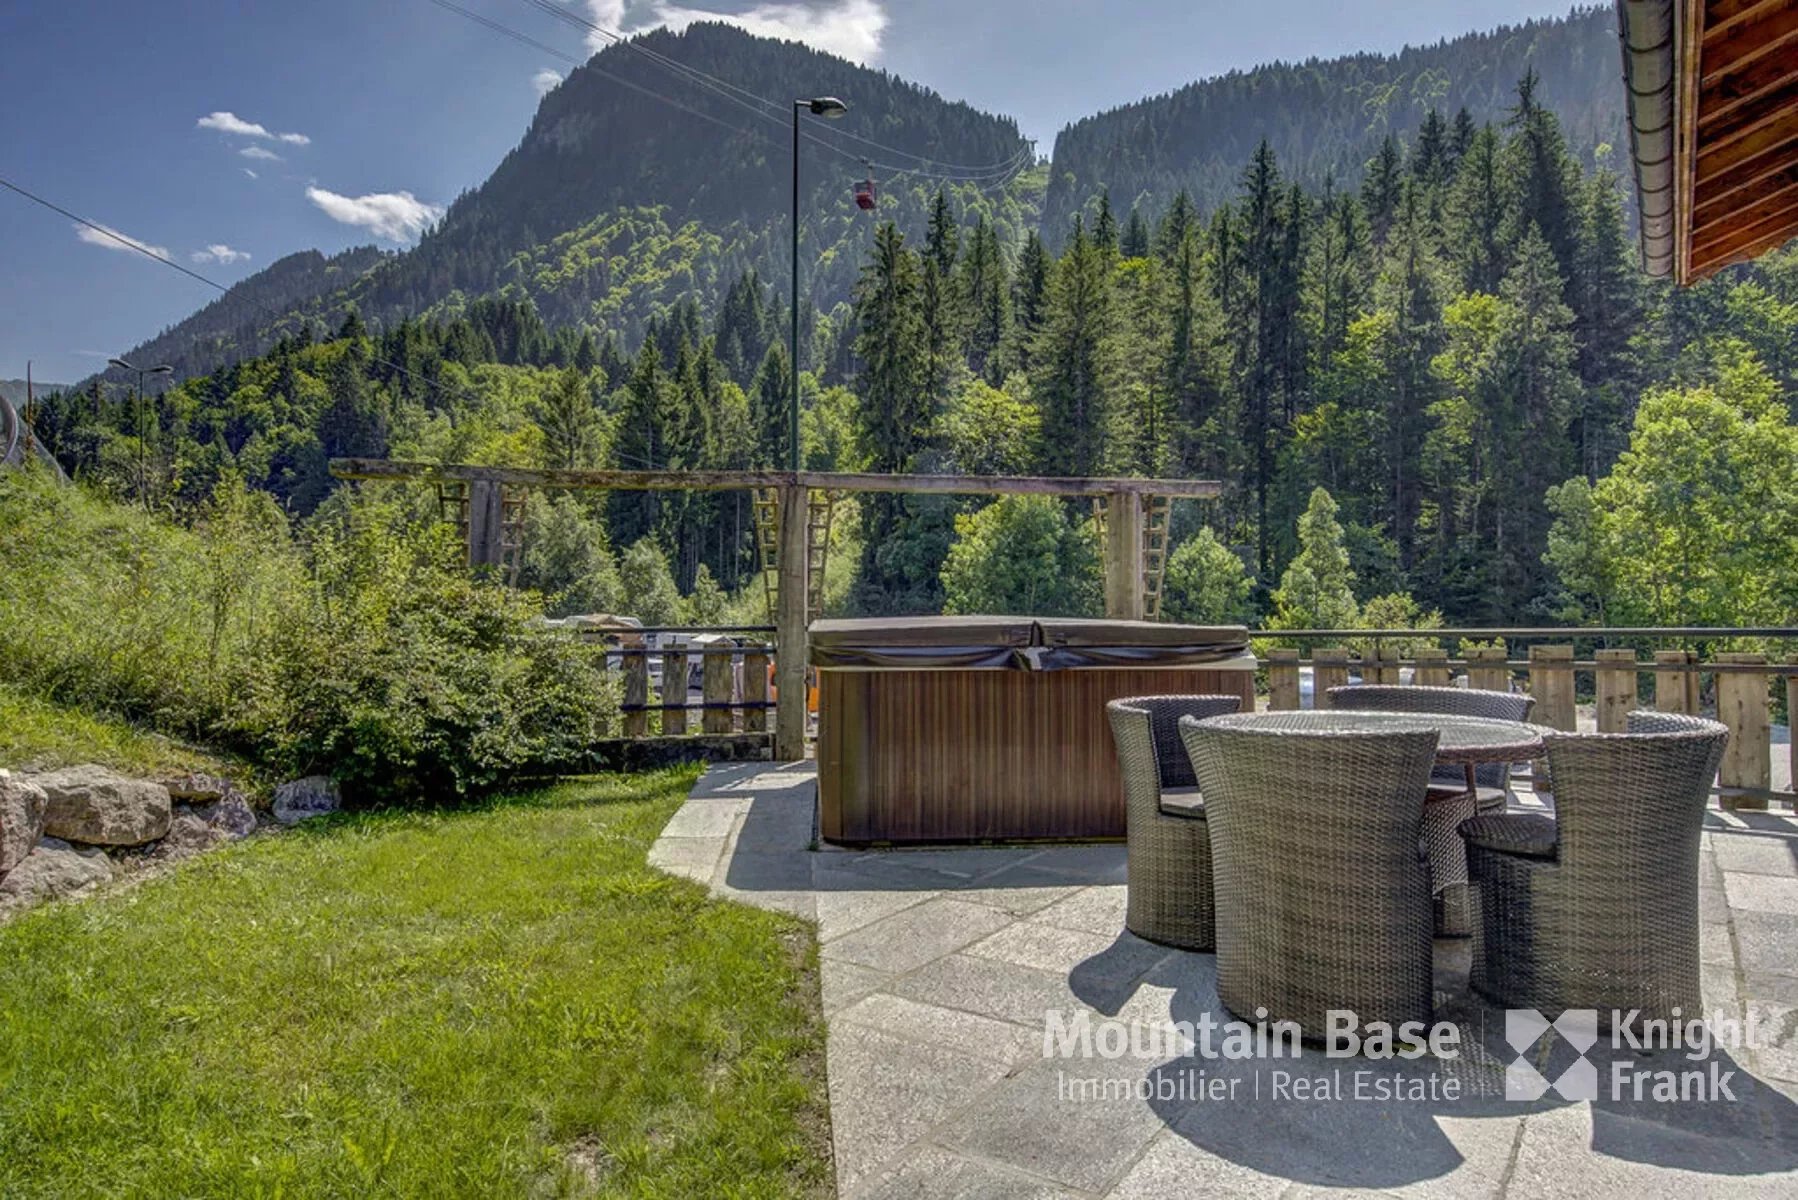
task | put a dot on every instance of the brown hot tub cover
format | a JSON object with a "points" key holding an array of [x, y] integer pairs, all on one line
{"points": [[1019, 643]]}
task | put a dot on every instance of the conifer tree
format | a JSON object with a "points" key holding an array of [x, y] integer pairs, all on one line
{"points": [[1070, 371]]}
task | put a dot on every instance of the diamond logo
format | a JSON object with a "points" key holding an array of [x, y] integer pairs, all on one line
{"points": [[1579, 1026], [1578, 1082], [1524, 1027], [1524, 1082]]}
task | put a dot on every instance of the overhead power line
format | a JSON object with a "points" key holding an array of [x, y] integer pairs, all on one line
{"points": [[778, 113]]}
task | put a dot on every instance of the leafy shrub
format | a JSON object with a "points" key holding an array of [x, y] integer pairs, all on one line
{"points": [[1206, 582], [1020, 554], [362, 649]]}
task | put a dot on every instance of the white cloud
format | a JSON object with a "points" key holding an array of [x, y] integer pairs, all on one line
{"points": [[260, 152], [112, 239], [218, 252], [249, 172], [850, 28], [393, 216], [231, 123], [545, 81]]}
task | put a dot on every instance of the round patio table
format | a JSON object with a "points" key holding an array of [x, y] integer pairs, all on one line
{"points": [[1465, 742]]}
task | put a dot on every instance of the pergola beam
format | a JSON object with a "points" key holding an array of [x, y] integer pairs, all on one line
{"points": [[1126, 500], [389, 470]]}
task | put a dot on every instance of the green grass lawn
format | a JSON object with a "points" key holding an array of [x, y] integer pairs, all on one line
{"points": [[45, 735], [499, 1002]]}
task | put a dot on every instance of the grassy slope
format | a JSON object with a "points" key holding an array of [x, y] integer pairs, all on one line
{"points": [[417, 1004], [41, 735]]}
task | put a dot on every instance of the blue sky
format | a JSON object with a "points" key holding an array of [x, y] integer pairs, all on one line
{"points": [[232, 132]]}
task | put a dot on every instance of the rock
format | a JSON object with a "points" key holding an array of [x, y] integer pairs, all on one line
{"points": [[54, 869], [99, 807], [22, 805], [189, 834], [199, 788], [299, 799], [231, 815]]}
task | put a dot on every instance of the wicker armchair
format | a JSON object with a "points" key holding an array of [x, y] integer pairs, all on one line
{"points": [[1322, 894], [1492, 779], [1168, 846], [1598, 908]]}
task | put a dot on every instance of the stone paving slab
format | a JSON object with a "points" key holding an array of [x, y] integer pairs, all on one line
{"points": [[939, 967]]}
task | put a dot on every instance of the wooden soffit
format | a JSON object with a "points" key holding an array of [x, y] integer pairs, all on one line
{"points": [[1713, 97]]}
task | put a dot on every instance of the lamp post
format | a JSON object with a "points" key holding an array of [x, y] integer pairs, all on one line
{"points": [[820, 106], [143, 469], [794, 589]]}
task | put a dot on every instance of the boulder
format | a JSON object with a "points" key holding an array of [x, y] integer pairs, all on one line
{"points": [[52, 870], [98, 807], [299, 799], [232, 815], [189, 834], [22, 805], [199, 788]]}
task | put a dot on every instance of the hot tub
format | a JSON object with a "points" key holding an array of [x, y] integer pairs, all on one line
{"points": [[955, 729]]}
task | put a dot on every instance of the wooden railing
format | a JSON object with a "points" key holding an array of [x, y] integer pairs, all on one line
{"points": [[1672, 670], [732, 713]]}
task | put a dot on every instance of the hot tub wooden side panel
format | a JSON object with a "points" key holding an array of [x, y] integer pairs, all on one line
{"points": [[943, 756]]}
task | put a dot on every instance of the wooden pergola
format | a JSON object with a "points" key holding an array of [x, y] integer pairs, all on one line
{"points": [[1134, 530], [1712, 90]]}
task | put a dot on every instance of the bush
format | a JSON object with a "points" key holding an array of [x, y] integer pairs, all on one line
{"points": [[1020, 555], [1206, 583], [364, 650]]}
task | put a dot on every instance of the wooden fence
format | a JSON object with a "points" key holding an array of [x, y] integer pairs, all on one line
{"points": [[1735, 687], [731, 717]]}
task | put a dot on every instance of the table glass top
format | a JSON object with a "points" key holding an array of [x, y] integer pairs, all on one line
{"points": [[1471, 736]]}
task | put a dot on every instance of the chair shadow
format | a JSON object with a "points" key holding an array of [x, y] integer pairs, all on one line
{"points": [[1330, 1121]]}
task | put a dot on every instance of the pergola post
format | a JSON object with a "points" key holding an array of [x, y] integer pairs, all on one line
{"points": [[790, 624], [1123, 557], [486, 524]]}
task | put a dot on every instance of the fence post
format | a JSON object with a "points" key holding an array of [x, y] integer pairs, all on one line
{"points": [[755, 691], [1742, 705], [1616, 689], [674, 692], [1493, 678], [1675, 691], [716, 690], [1432, 667], [1792, 707], [1282, 680], [1383, 664], [1551, 683], [636, 693], [1329, 668]]}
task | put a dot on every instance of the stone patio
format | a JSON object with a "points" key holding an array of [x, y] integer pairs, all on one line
{"points": [[940, 967]]}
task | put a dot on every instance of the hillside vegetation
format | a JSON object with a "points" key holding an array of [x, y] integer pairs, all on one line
{"points": [[354, 645], [1332, 117]]}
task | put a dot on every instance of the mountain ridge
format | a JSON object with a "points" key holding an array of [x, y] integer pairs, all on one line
{"points": [[613, 206]]}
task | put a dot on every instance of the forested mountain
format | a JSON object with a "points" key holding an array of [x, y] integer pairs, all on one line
{"points": [[1331, 117], [1441, 390], [14, 389], [617, 204], [269, 304]]}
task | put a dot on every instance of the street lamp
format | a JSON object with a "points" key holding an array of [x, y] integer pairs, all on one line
{"points": [[818, 106], [143, 469]]}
